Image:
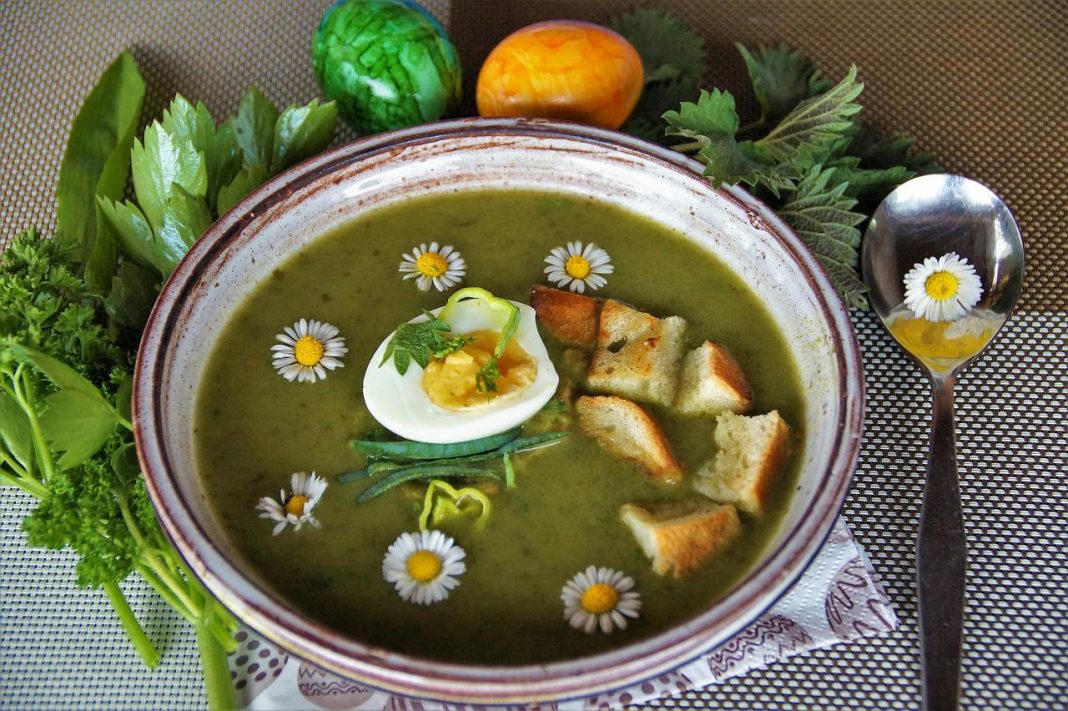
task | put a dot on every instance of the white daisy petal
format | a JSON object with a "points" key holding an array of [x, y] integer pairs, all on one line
{"points": [[942, 289], [414, 586], [297, 355], [606, 610], [440, 267], [578, 266], [310, 487]]}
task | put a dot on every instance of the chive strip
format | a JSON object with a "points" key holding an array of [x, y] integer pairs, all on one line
{"points": [[353, 476], [424, 450], [509, 471], [421, 472], [517, 446]]}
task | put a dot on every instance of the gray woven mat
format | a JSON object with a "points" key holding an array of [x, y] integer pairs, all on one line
{"points": [[984, 85]]}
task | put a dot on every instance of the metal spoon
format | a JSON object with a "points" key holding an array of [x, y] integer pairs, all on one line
{"points": [[925, 217]]}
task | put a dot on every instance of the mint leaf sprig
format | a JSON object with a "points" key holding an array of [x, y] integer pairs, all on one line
{"points": [[421, 341]]}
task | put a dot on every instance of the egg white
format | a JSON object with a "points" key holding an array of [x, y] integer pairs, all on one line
{"points": [[399, 403]]}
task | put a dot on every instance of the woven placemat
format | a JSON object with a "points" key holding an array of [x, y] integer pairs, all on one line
{"points": [[983, 85]]}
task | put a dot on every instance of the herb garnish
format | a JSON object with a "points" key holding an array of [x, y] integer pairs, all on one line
{"points": [[421, 341], [71, 313]]}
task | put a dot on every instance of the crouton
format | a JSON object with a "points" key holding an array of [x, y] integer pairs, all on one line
{"points": [[627, 431], [751, 453], [571, 318], [711, 382], [678, 539], [637, 355]]}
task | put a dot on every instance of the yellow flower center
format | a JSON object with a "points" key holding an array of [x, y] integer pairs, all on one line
{"points": [[431, 264], [599, 599], [309, 350], [941, 286], [577, 267], [296, 505], [424, 566]]}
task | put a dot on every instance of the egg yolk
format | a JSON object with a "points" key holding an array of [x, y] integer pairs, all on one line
{"points": [[451, 382], [931, 343]]}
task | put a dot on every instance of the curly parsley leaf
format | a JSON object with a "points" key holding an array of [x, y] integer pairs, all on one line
{"points": [[782, 78], [673, 61], [822, 215]]}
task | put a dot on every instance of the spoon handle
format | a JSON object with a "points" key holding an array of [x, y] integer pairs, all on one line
{"points": [[940, 560]]}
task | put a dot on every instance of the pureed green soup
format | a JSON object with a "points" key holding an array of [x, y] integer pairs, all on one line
{"points": [[254, 429]]}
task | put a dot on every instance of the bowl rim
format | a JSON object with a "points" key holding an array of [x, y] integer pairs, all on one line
{"points": [[751, 596]]}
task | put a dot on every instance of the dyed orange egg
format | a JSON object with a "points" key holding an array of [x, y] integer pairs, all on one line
{"points": [[562, 69]]}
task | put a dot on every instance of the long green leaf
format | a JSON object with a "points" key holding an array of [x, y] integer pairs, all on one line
{"points": [[254, 128], [422, 450], [421, 473], [97, 159], [62, 375]]}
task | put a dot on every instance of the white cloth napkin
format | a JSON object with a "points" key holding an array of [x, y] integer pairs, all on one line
{"points": [[837, 599]]}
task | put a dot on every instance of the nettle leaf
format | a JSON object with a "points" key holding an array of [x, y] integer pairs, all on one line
{"points": [[15, 433], [811, 127], [669, 49], [646, 121], [713, 117], [161, 162], [823, 217], [77, 425], [782, 78], [254, 128], [246, 180], [301, 132]]}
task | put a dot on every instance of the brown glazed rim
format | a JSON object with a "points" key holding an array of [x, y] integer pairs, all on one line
{"points": [[381, 668]]}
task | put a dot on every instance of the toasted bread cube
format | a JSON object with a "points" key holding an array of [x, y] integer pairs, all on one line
{"points": [[711, 382], [627, 431], [679, 539], [637, 355], [571, 318], [751, 453]]}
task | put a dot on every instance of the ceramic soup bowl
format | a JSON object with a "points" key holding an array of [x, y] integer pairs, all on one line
{"points": [[263, 231]]}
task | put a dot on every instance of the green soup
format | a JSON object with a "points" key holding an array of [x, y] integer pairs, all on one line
{"points": [[254, 428]]}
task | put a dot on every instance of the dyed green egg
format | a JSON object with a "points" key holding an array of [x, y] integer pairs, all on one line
{"points": [[387, 63]]}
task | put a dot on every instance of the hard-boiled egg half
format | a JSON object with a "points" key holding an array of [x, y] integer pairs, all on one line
{"points": [[448, 400]]}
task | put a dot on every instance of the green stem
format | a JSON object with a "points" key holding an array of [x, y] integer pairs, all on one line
{"points": [[124, 422], [134, 630], [164, 592], [759, 123], [687, 147], [19, 470], [213, 663], [24, 395], [30, 486]]}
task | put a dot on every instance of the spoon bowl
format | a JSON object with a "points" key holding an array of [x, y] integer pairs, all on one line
{"points": [[929, 217]]}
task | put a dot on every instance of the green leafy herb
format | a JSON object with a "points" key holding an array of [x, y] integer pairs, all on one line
{"points": [[815, 162], [507, 315], [673, 61], [421, 341]]}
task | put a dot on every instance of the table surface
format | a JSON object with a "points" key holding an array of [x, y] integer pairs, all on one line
{"points": [[982, 85]]}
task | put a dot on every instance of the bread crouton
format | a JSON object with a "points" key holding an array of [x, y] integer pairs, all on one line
{"points": [[571, 318], [711, 382], [751, 453], [637, 355], [679, 539], [627, 431]]}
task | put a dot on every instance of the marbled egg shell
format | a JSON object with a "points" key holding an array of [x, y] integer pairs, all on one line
{"points": [[388, 64], [562, 69]]}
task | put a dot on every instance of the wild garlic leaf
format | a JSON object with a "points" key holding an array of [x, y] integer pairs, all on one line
{"points": [[163, 160], [301, 132], [246, 180], [806, 133], [97, 158], [782, 78], [823, 217], [77, 425], [104, 256], [132, 232], [669, 49], [254, 128], [15, 433]]}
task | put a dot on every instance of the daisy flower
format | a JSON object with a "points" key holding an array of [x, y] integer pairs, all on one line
{"points": [[578, 266], [307, 349], [942, 289], [600, 597], [294, 509], [424, 566], [441, 267]]}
